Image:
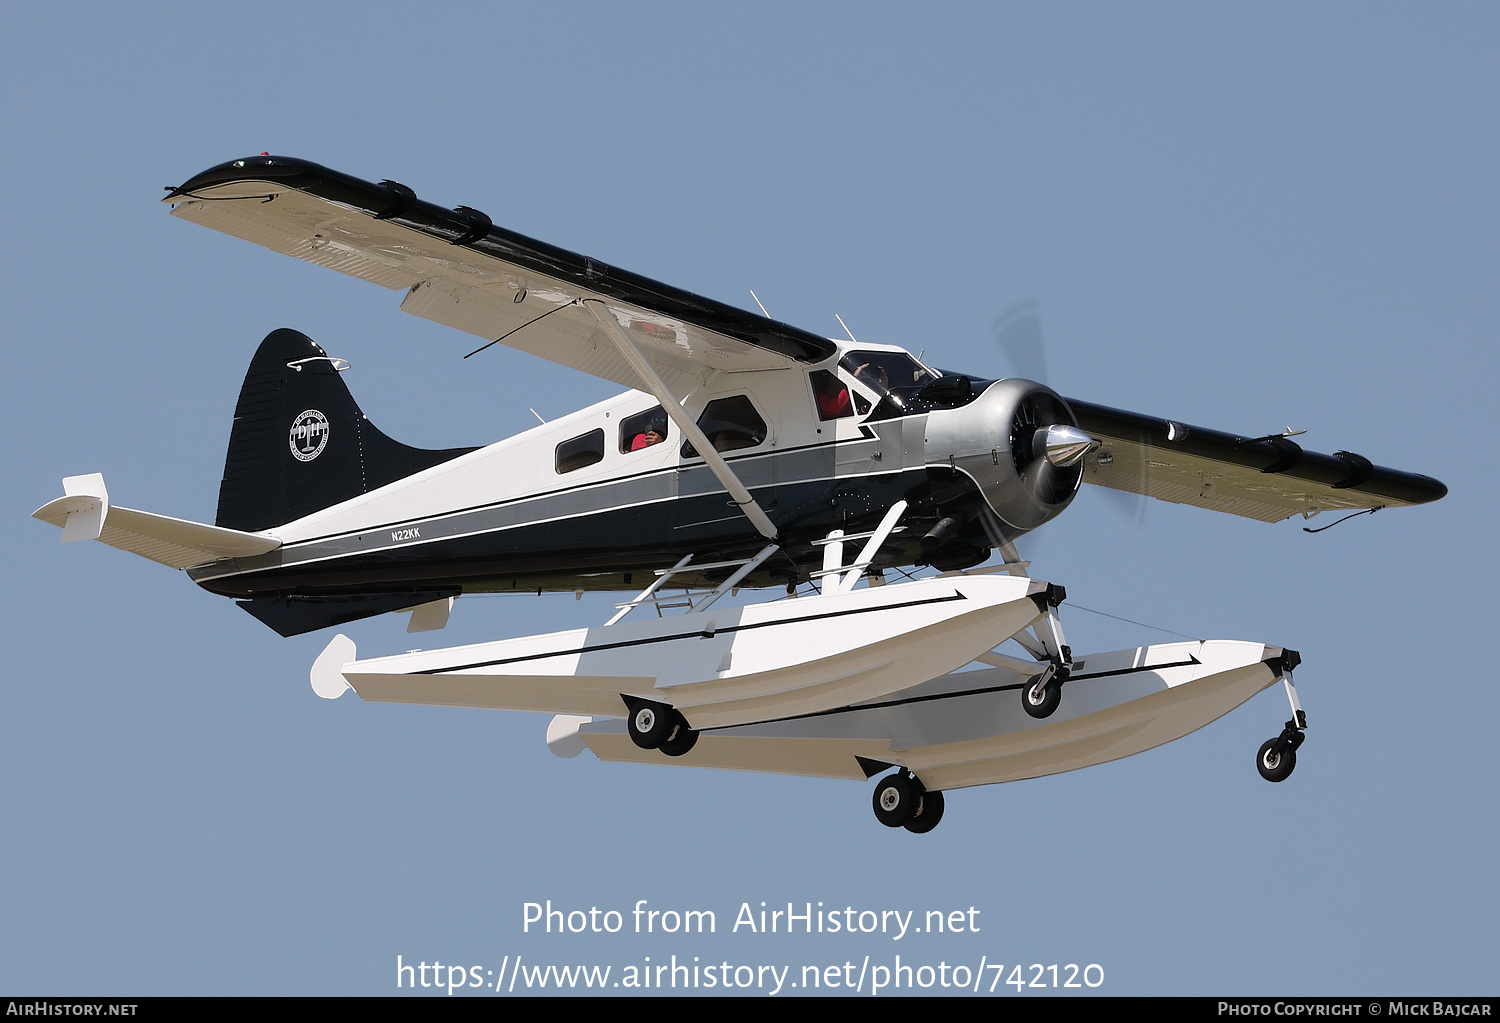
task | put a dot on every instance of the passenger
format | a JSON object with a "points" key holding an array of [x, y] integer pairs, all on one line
{"points": [[832, 397], [655, 434]]}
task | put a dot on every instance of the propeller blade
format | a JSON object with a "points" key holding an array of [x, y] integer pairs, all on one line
{"points": [[1048, 482], [1019, 330]]}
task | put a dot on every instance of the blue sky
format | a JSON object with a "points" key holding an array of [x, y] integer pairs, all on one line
{"points": [[1246, 217]]}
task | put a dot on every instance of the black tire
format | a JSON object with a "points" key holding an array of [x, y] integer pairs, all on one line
{"points": [[897, 799], [680, 738], [929, 814], [1041, 705], [1275, 766], [649, 724]]}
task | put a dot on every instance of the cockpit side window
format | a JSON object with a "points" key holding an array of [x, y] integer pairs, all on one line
{"points": [[643, 430], [830, 395], [729, 424]]}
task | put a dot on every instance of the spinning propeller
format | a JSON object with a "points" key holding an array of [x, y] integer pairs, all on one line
{"points": [[1048, 451]]}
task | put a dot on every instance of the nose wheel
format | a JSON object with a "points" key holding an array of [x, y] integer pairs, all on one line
{"points": [[1043, 693], [1041, 697], [1277, 758], [1275, 765]]}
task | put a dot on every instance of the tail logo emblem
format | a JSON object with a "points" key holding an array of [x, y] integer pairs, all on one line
{"points": [[309, 435]]}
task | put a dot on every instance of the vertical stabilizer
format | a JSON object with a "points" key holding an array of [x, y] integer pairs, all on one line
{"points": [[299, 442]]}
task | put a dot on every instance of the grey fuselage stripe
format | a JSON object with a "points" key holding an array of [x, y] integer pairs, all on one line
{"points": [[793, 466], [594, 485]]}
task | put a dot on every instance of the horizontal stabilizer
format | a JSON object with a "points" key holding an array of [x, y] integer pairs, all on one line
{"points": [[84, 513]]}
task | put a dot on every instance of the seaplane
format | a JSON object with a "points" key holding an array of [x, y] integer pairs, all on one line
{"points": [[746, 454]]}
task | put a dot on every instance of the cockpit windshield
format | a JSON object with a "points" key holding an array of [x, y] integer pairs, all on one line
{"points": [[893, 375]]}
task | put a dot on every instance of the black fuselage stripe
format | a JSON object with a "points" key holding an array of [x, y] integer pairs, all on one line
{"points": [[565, 550]]}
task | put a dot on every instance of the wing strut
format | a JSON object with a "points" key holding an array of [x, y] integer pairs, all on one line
{"points": [[701, 443]]}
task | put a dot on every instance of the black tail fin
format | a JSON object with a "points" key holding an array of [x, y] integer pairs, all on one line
{"points": [[300, 443]]}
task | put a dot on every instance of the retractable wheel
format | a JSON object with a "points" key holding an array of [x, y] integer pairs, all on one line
{"points": [[1041, 697], [649, 724], [897, 799], [680, 738], [929, 814], [1275, 766]]}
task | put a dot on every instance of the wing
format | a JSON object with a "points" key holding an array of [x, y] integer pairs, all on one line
{"points": [[1265, 478], [460, 270]]}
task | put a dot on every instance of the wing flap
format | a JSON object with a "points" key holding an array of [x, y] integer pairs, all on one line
{"points": [[1266, 478], [568, 335]]}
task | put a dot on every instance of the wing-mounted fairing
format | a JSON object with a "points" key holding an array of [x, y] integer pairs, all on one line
{"points": [[1265, 478], [460, 270]]}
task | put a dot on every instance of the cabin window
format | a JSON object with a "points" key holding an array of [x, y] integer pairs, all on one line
{"points": [[642, 431], [830, 395], [580, 451], [729, 424]]}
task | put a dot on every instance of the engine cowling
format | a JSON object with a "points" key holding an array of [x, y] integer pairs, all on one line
{"points": [[1020, 443]]}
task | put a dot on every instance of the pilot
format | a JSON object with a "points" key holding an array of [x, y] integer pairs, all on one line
{"points": [[873, 373]]}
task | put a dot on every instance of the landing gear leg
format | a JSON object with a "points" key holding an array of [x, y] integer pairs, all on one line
{"points": [[1042, 695], [1277, 757]]}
